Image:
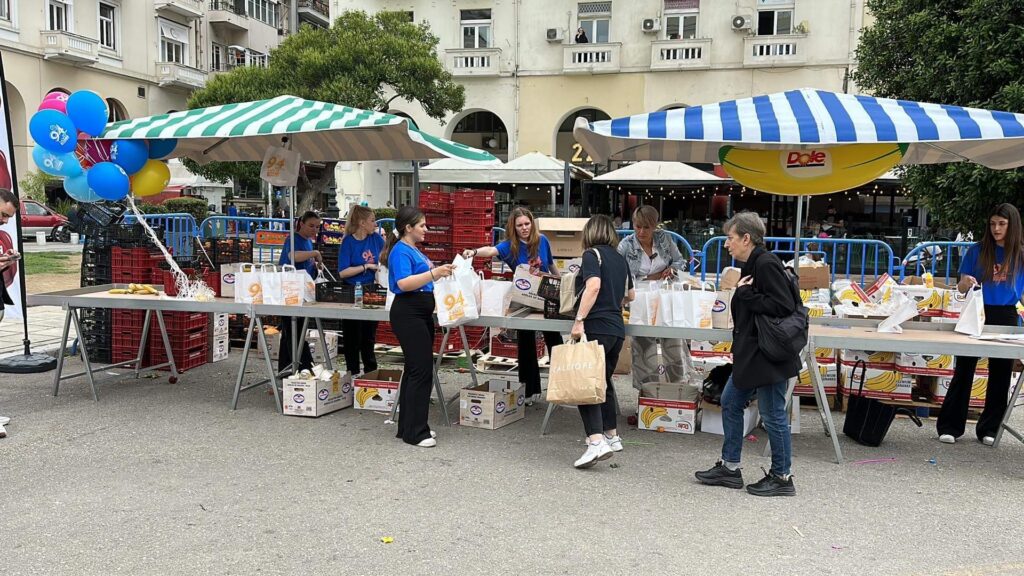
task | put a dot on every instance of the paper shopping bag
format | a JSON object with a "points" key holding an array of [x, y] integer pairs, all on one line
{"points": [[455, 306], [270, 281], [495, 297], [248, 288], [464, 273], [293, 285], [721, 312], [665, 301], [693, 308], [638, 308], [576, 373], [972, 315]]}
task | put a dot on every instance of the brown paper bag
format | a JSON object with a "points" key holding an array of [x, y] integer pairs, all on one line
{"points": [[576, 373], [625, 363]]}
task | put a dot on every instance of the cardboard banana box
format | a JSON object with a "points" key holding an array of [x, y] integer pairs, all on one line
{"points": [[881, 384], [873, 359], [377, 390], [925, 364], [829, 379]]}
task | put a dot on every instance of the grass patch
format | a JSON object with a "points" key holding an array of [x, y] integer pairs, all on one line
{"points": [[48, 263]]}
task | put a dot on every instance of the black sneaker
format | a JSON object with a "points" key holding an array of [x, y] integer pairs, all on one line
{"points": [[772, 485], [721, 476]]}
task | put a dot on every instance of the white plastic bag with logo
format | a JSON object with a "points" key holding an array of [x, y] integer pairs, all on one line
{"points": [[693, 308], [280, 166], [463, 272], [972, 316], [455, 305], [248, 287]]}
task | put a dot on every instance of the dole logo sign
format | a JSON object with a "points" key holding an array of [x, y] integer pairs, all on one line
{"points": [[806, 163]]}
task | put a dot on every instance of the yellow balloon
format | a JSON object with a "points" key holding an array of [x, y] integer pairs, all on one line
{"points": [[151, 179]]}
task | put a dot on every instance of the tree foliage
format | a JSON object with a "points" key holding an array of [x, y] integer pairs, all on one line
{"points": [[364, 61], [961, 52], [197, 207], [33, 185]]}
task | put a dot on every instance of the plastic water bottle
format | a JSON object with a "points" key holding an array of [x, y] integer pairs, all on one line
{"points": [[359, 296]]}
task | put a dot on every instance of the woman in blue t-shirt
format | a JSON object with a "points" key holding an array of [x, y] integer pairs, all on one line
{"points": [[997, 264], [411, 278], [524, 244], [358, 259]]}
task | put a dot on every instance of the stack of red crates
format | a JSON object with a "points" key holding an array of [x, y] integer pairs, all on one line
{"points": [[474, 211], [126, 335], [133, 265], [189, 336], [437, 208], [503, 348], [474, 334]]}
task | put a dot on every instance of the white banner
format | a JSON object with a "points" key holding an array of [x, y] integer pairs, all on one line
{"points": [[9, 231]]}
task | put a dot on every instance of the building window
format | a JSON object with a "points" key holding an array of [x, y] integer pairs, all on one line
{"points": [[5, 10], [108, 26], [595, 19], [58, 17], [680, 26], [401, 188], [775, 22], [217, 58], [257, 59], [236, 56], [476, 28], [263, 10], [410, 15], [173, 42]]}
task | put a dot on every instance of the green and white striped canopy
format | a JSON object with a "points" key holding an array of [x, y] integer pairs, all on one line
{"points": [[319, 131]]}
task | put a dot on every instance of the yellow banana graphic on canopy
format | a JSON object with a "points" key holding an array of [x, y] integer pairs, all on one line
{"points": [[810, 171], [650, 414]]}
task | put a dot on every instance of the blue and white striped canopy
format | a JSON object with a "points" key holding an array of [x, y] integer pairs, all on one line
{"points": [[809, 118]]}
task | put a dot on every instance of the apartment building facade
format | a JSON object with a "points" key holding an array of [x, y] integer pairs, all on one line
{"points": [[528, 77]]}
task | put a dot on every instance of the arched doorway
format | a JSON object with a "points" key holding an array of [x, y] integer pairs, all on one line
{"points": [[673, 107], [482, 129], [116, 111], [19, 129], [566, 147]]}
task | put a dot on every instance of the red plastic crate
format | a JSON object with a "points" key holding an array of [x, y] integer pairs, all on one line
{"points": [[182, 340], [511, 349], [474, 219], [178, 322], [123, 341], [124, 355], [211, 277], [438, 220], [437, 253], [186, 361], [438, 237]]}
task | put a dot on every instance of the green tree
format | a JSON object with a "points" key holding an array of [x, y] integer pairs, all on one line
{"points": [[960, 52], [364, 61], [33, 185]]}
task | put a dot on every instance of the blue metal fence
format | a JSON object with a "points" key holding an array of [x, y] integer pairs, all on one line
{"points": [[941, 259], [245, 227], [178, 230]]}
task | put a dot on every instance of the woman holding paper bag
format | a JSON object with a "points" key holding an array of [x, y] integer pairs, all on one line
{"points": [[524, 245], [652, 255], [604, 285], [997, 265], [411, 279], [358, 261]]}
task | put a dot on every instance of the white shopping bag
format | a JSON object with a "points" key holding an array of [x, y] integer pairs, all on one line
{"points": [[280, 166], [638, 309], [309, 286], [270, 280], [293, 285], [382, 280], [455, 306], [903, 308], [972, 315], [463, 272], [248, 288], [721, 313], [665, 297], [693, 308], [495, 297]]}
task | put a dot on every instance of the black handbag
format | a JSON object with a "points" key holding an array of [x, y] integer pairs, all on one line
{"points": [[714, 384], [868, 419], [783, 338]]}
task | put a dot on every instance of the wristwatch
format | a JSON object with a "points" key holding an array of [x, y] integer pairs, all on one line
{"points": [[578, 319]]}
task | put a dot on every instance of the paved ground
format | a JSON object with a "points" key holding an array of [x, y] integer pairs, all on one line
{"points": [[31, 246], [158, 478], [45, 327]]}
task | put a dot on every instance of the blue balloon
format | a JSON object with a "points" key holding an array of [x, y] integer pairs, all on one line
{"points": [[78, 189], [109, 181], [56, 164], [162, 148], [131, 155], [53, 131], [88, 111]]}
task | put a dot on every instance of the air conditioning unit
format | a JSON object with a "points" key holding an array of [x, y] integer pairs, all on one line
{"points": [[650, 25], [741, 22], [555, 35]]}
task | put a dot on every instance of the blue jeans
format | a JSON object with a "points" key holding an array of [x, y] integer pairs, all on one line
{"points": [[771, 400]]}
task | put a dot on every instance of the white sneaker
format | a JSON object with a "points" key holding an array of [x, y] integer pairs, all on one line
{"points": [[614, 442], [3, 432], [947, 439], [532, 399], [4, 420], [988, 440], [594, 453], [433, 434], [428, 443]]}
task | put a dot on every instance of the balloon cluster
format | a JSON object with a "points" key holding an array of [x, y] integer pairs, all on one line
{"points": [[66, 129]]}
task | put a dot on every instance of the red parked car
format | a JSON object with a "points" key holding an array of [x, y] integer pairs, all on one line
{"points": [[36, 217]]}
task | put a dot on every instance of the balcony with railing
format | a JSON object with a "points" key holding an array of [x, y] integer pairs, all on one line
{"points": [[189, 9], [788, 50], [692, 54], [469, 62], [228, 15], [61, 46], [174, 75], [314, 11], [591, 58]]}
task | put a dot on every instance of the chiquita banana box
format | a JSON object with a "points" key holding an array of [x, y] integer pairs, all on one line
{"points": [[876, 360], [940, 386], [825, 355], [377, 390], [929, 300], [706, 348], [882, 384], [667, 408], [829, 379], [925, 364]]}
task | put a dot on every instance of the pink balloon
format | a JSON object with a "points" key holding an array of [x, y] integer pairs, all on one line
{"points": [[90, 152], [55, 104], [56, 95]]}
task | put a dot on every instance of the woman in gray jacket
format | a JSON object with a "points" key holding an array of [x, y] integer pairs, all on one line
{"points": [[652, 255]]}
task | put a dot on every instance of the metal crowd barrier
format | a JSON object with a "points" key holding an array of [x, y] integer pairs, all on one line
{"points": [[245, 227], [179, 229], [933, 257]]}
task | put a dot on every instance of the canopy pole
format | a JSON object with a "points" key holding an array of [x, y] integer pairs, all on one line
{"points": [[415, 184], [565, 188], [796, 235]]}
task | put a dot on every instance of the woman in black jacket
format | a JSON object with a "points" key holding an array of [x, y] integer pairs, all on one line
{"points": [[764, 289]]}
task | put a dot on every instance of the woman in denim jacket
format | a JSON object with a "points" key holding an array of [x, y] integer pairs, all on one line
{"points": [[652, 255]]}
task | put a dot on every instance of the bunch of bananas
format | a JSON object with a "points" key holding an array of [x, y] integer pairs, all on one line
{"points": [[886, 381], [364, 394], [649, 414], [135, 289]]}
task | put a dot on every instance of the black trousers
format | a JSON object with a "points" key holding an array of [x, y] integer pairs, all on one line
{"points": [[360, 336], [412, 319], [529, 370], [600, 417], [953, 415], [284, 353]]}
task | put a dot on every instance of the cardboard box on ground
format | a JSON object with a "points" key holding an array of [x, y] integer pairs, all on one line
{"points": [[317, 394], [668, 407], [493, 404], [377, 390], [313, 339]]}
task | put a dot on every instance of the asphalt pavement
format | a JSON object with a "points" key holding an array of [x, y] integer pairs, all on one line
{"points": [[160, 478]]}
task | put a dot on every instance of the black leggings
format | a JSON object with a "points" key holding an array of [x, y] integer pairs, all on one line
{"points": [[953, 415], [600, 417], [412, 319], [360, 336], [529, 370]]}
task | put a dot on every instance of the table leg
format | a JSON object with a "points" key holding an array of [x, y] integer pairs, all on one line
{"points": [[1005, 425], [270, 364], [823, 407], [167, 347], [245, 361], [469, 356], [547, 418], [437, 380], [142, 342], [85, 354], [63, 350], [323, 344]]}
